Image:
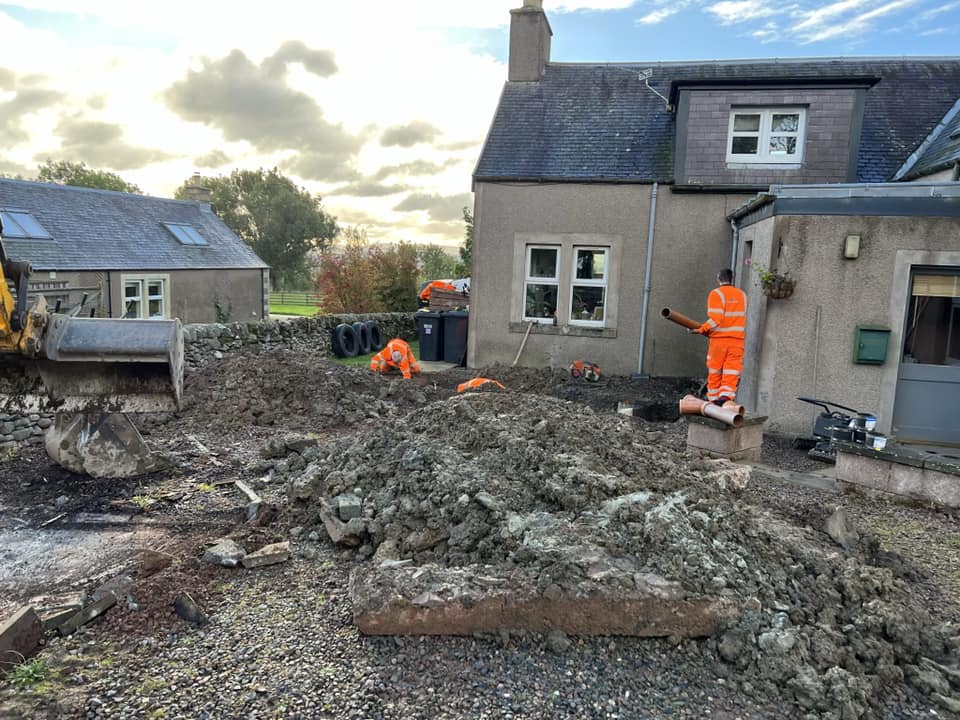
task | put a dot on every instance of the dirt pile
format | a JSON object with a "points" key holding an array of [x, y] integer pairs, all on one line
{"points": [[525, 481], [295, 390]]}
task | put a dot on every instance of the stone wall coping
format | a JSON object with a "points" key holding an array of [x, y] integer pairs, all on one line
{"points": [[894, 453], [717, 425]]}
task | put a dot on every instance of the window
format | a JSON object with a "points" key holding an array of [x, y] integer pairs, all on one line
{"points": [[766, 135], [932, 334], [186, 234], [145, 297], [21, 225], [588, 291], [542, 284]]}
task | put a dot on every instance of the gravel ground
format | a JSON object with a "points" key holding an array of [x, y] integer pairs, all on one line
{"points": [[281, 643]]}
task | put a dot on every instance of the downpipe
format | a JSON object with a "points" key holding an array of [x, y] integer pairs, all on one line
{"points": [[735, 229], [647, 281]]}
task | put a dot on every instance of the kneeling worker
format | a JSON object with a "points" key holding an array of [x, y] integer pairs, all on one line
{"points": [[396, 354], [726, 310]]}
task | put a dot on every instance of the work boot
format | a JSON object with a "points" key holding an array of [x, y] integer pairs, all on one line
{"points": [[721, 400]]}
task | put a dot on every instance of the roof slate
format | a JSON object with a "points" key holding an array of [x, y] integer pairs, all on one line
{"points": [[106, 230], [943, 150], [586, 122]]}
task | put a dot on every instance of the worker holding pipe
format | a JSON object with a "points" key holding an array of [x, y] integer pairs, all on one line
{"points": [[726, 329], [396, 355]]}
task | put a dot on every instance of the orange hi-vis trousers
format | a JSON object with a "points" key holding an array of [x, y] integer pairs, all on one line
{"points": [[724, 365]]}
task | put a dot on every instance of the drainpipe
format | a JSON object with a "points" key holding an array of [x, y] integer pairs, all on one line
{"points": [[736, 241], [646, 278], [109, 296], [956, 171]]}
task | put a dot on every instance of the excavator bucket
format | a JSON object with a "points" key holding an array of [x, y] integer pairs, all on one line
{"points": [[99, 365]]}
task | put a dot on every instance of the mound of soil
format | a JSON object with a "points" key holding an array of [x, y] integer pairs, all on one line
{"points": [[522, 480]]}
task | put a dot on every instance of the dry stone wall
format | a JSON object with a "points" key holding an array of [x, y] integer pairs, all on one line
{"points": [[206, 342], [17, 429]]}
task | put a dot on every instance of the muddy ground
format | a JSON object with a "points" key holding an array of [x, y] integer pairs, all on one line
{"points": [[844, 631]]}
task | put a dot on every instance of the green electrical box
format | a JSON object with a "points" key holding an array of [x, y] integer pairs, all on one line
{"points": [[870, 345]]}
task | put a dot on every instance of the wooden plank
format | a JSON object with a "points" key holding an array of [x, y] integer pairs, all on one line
{"points": [[442, 300]]}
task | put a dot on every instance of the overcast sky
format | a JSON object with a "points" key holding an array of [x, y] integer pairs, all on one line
{"points": [[380, 106]]}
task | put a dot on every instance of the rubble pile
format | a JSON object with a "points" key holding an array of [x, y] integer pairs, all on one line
{"points": [[294, 390], [523, 482]]}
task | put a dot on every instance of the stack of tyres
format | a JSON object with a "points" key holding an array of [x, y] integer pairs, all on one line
{"points": [[455, 325], [430, 335], [360, 338]]}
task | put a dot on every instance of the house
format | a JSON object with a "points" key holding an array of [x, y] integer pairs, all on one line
{"points": [[132, 256], [605, 192]]}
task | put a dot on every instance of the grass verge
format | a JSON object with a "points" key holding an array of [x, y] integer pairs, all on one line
{"points": [[364, 360]]}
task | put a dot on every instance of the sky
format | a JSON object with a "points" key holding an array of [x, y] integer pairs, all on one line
{"points": [[380, 107]]}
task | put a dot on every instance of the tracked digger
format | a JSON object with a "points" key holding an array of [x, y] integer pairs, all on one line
{"points": [[90, 372]]}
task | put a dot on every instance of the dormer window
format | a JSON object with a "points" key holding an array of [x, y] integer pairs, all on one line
{"points": [[766, 135]]}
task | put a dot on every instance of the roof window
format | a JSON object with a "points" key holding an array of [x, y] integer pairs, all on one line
{"points": [[186, 234], [18, 224]]}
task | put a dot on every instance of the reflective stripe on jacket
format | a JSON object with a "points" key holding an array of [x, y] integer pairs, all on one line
{"points": [[384, 360], [726, 312]]}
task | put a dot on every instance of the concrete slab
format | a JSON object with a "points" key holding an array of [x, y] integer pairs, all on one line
{"points": [[20, 636], [723, 441], [884, 474]]}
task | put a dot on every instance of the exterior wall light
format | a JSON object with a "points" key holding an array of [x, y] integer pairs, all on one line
{"points": [[851, 247]]}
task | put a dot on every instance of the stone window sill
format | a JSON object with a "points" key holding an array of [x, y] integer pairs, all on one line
{"points": [[566, 330]]}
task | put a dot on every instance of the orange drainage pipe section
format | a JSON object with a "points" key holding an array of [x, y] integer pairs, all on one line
{"points": [[691, 405], [679, 319]]}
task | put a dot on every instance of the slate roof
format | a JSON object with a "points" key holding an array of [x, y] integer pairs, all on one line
{"points": [[598, 122], [106, 230], [943, 146]]}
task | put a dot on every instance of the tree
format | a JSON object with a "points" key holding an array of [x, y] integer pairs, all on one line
{"points": [[436, 263], [364, 278], [64, 172], [280, 221], [466, 250]]}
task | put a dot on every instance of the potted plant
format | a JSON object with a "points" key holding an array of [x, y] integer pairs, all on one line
{"points": [[775, 284]]}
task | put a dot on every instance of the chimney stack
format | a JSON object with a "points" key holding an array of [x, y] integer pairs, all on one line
{"points": [[196, 191], [529, 42]]}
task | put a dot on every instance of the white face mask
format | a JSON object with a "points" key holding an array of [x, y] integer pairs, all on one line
{"points": [[397, 356]]}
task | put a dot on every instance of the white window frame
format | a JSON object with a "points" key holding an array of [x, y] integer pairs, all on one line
{"points": [[143, 283], [530, 280], [763, 155], [603, 283]]}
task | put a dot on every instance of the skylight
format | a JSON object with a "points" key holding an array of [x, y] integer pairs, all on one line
{"points": [[22, 225], [186, 234]]}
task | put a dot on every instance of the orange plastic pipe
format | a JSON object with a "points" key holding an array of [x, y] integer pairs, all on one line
{"points": [[679, 319], [736, 407], [692, 405]]}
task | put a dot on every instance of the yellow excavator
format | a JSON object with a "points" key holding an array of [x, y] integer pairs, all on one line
{"points": [[90, 372]]}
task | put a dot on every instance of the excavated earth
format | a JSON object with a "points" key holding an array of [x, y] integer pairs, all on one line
{"points": [[542, 482]]}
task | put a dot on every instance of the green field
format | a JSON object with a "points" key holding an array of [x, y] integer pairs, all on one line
{"points": [[364, 360], [303, 310]]}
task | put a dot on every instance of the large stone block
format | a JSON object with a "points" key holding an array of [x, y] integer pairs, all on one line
{"points": [[431, 600], [20, 636], [904, 480], [716, 439]]}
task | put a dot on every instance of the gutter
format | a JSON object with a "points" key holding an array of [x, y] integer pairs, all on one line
{"points": [[764, 198]]}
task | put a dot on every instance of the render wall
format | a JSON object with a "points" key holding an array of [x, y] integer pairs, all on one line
{"points": [[833, 118], [691, 242], [192, 294], [807, 341]]}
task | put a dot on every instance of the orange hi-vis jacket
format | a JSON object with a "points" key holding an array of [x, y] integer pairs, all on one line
{"points": [[727, 313], [396, 354], [439, 284]]}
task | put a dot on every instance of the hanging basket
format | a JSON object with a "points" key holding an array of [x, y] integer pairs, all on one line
{"points": [[778, 288]]}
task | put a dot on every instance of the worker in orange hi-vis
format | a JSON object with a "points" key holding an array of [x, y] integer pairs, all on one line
{"points": [[439, 285], [396, 354], [726, 328]]}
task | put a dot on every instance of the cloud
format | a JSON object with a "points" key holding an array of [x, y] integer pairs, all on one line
{"points": [[367, 188], [418, 131], [770, 32], [101, 144], [250, 102], [851, 27], [658, 16], [97, 102], [213, 159], [12, 169], [8, 78], [734, 11], [565, 6], [815, 18], [460, 145], [441, 208], [413, 168], [319, 62], [13, 112]]}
